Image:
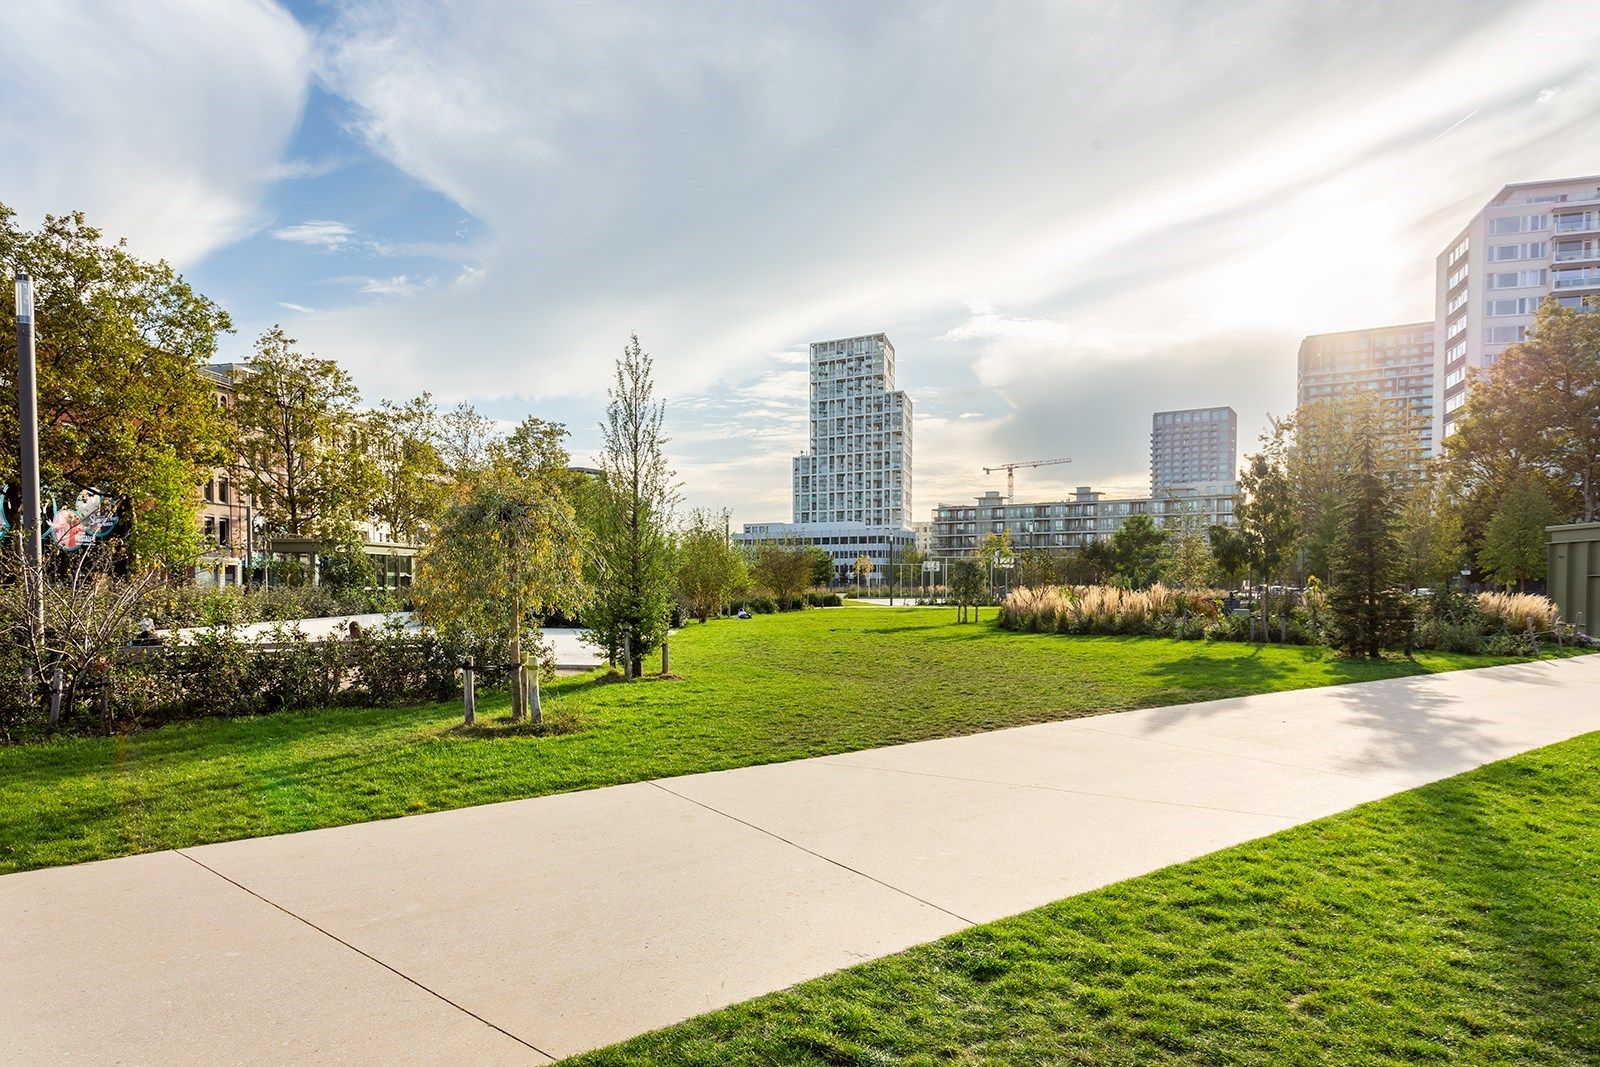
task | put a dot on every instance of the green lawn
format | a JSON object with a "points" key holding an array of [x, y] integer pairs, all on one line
{"points": [[758, 691], [1457, 923]]}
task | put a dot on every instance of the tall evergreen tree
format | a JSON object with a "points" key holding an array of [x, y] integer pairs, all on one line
{"points": [[1367, 611], [630, 513]]}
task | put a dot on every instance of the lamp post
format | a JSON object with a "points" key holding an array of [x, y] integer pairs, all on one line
{"points": [[28, 455]]}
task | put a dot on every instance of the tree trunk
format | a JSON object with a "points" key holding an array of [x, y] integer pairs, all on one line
{"points": [[519, 683]]}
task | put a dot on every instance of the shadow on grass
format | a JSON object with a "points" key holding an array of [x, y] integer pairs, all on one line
{"points": [[1511, 858], [553, 724]]}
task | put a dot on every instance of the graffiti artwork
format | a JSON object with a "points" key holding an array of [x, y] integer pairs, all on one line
{"points": [[87, 518]]}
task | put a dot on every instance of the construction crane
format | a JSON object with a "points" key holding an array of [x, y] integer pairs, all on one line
{"points": [[1011, 472]]}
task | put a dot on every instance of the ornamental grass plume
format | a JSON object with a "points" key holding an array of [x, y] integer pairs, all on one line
{"points": [[1517, 610], [1104, 608]]}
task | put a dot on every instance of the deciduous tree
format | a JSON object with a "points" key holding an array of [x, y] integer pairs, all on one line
{"points": [[783, 568], [1187, 561], [413, 485], [966, 587], [1138, 544], [299, 450], [164, 532], [1427, 536], [122, 344], [1515, 547], [508, 552], [631, 599], [710, 570], [1267, 514], [1230, 551], [862, 568]]}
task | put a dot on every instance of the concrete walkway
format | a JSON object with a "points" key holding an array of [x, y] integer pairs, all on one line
{"points": [[571, 651], [534, 929]]}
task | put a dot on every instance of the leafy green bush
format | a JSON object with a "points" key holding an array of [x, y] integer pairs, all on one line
{"points": [[177, 606]]}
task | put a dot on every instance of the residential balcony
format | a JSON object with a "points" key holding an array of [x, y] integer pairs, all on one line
{"points": [[1577, 279], [1586, 253], [1567, 225]]}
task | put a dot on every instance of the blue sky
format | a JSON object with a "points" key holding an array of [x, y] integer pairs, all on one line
{"points": [[1066, 216]]}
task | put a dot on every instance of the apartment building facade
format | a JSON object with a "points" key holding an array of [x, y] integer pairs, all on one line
{"points": [[224, 510], [1194, 449], [1533, 240], [1394, 362], [844, 542], [1067, 524], [858, 466]]}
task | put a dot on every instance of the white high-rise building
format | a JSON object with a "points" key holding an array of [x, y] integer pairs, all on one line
{"points": [[1195, 449], [858, 469], [1533, 239]]}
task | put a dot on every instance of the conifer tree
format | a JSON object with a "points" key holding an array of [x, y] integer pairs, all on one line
{"points": [[1367, 611]]}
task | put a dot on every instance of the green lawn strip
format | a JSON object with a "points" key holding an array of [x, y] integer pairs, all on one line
{"points": [[1455, 923], [776, 687]]}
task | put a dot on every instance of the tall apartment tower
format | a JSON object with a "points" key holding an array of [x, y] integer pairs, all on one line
{"points": [[1390, 361], [858, 468], [1195, 449], [1531, 240]]}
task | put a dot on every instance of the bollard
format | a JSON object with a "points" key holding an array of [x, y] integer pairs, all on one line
{"points": [[55, 697], [469, 695], [666, 661]]}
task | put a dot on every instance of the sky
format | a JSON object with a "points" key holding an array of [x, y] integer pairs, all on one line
{"points": [[1066, 216]]}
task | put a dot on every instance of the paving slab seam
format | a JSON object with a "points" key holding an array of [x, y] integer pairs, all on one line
{"points": [[1289, 819], [388, 967], [818, 855]]}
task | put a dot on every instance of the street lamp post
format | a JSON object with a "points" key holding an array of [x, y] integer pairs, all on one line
{"points": [[28, 455]]}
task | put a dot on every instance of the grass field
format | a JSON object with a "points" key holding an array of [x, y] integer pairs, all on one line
{"points": [[758, 691], [1457, 923]]}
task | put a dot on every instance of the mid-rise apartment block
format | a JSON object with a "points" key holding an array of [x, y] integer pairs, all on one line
{"points": [[1394, 362], [1071, 523], [858, 468], [844, 542], [1534, 239], [1195, 449]]}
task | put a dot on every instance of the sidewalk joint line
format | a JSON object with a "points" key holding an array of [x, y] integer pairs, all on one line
{"points": [[828, 761], [813, 852], [368, 955]]}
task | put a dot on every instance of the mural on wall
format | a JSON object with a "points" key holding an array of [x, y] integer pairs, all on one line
{"points": [[82, 520]]}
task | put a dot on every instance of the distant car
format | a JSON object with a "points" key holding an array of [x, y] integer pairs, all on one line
{"points": [[743, 614]]}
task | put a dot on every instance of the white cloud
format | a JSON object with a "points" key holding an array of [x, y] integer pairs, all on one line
{"points": [[301, 169], [1066, 216], [159, 119], [320, 233], [299, 308], [399, 285]]}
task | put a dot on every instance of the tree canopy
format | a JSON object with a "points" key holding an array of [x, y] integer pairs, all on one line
{"points": [[122, 343]]}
